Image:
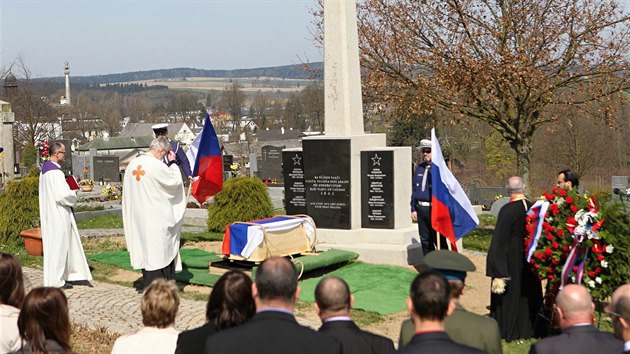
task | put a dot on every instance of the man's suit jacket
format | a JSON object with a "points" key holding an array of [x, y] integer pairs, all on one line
{"points": [[193, 340], [354, 340], [271, 332], [436, 342], [577, 340], [465, 328]]}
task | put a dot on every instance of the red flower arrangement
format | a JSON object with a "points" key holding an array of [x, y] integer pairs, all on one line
{"points": [[44, 147], [564, 244]]}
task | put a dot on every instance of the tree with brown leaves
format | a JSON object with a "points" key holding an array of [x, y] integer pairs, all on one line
{"points": [[514, 64]]}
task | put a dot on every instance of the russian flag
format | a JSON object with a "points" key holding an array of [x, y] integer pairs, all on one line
{"points": [[452, 215], [208, 168]]}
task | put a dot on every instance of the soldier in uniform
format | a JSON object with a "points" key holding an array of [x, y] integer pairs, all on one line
{"points": [[421, 198], [181, 160], [462, 326]]}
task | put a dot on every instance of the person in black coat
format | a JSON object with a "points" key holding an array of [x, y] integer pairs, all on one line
{"points": [[516, 297], [230, 304], [574, 309], [429, 303], [619, 312], [273, 330], [333, 302]]}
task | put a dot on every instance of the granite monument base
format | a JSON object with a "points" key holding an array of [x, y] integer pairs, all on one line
{"points": [[377, 246]]}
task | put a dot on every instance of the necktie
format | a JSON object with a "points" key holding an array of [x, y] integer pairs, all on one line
{"points": [[424, 178]]}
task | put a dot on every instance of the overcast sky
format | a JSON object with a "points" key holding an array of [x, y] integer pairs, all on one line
{"points": [[114, 36]]}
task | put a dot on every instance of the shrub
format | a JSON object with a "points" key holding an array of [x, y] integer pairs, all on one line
{"points": [[616, 231], [242, 199], [29, 155], [19, 209]]}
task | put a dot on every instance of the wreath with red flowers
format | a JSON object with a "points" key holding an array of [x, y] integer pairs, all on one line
{"points": [[564, 244]]}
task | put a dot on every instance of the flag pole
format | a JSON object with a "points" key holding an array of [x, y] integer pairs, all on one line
{"points": [[189, 191]]}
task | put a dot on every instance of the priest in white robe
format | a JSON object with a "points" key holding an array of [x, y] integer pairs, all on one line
{"points": [[64, 259], [153, 205]]}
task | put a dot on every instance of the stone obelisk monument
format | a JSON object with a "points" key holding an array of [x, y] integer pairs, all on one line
{"points": [[355, 188]]}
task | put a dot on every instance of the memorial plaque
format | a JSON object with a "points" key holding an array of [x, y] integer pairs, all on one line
{"points": [[294, 192], [327, 182], [106, 168], [271, 163], [377, 189]]}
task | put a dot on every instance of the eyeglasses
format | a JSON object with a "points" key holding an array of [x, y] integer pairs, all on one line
{"points": [[612, 314], [426, 151]]}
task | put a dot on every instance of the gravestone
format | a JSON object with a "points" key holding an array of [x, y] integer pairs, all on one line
{"points": [[327, 182], [106, 168], [377, 189], [7, 161], [228, 160], [498, 204], [253, 165], [271, 163], [620, 182], [293, 172]]}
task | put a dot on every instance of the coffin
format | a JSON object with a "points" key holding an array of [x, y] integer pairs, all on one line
{"points": [[258, 240]]}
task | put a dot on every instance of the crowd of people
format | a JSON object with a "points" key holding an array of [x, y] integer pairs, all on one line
{"points": [[258, 317]]}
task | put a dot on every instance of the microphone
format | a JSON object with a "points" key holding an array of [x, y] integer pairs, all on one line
{"points": [[617, 191]]}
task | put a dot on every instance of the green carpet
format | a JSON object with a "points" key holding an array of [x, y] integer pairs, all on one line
{"points": [[378, 288], [194, 262]]}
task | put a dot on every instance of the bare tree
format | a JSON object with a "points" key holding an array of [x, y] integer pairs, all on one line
{"points": [[232, 101], [34, 114]]}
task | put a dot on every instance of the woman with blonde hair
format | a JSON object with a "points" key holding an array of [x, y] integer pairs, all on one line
{"points": [[11, 299], [159, 306]]}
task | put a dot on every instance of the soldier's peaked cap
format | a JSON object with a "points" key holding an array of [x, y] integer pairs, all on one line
{"points": [[452, 264], [160, 128]]}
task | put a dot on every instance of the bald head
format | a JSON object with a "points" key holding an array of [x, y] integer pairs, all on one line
{"points": [[515, 185], [332, 295], [575, 305], [620, 301], [277, 279]]}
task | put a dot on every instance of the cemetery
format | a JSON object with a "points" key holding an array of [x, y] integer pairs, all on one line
{"points": [[335, 203]]}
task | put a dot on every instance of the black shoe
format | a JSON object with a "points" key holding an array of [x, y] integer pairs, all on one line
{"points": [[66, 286], [81, 283]]}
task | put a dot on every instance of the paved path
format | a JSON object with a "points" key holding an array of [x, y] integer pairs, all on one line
{"points": [[117, 308], [87, 233]]}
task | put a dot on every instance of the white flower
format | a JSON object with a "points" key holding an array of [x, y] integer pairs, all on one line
{"points": [[604, 264], [591, 283], [609, 249], [598, 280]]}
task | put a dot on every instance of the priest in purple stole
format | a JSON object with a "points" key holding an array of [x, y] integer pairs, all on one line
{"points": [[64, 259]]}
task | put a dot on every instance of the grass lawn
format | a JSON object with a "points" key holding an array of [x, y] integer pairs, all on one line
{"points": [[478, 239], [109, 221]]}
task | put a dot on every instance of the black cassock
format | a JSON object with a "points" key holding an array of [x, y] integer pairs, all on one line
{"points": [[516, 310]]}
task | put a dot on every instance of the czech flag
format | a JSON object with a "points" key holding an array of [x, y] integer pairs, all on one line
{"points": [[208, 170], [452, 215]]}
